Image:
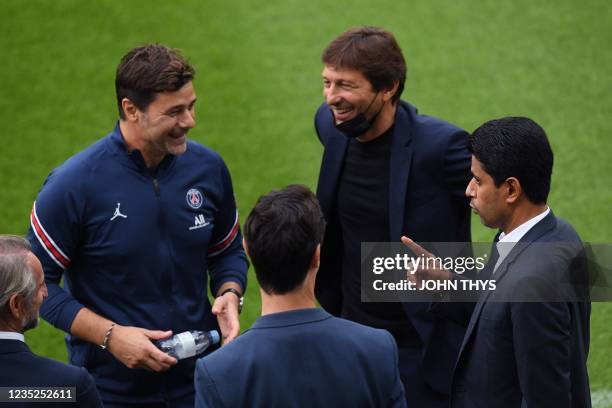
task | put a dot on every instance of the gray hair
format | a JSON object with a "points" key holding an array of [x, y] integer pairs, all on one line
{"points": [[16, 277]]}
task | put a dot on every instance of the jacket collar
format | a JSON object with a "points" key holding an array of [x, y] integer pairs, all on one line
{"points": [[13, 346], [291, 318], [331, 163], [399, 165], [118, 147], [534, 234]]}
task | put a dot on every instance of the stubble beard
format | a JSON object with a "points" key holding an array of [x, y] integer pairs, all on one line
{"points": [[174, 149], [31, 321]]}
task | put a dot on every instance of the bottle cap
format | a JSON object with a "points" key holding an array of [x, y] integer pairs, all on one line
{"points": [[214, 336]]}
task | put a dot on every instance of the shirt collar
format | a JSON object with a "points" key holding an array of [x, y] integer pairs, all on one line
{"points": [[516, 234], [291, 317], [507, 241], [11, 336]]}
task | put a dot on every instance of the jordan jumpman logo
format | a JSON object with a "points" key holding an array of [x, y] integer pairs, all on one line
{"points": [[118, 213]]}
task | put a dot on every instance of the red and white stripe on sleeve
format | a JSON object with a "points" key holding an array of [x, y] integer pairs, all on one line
{"points": [[222, 245], [47, 242]]}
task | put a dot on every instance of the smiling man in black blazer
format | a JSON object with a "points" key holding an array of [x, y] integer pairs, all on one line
{"points": [[387, 171]]}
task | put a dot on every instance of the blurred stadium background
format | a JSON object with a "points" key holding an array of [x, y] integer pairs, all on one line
{"points": [[259, 84]]}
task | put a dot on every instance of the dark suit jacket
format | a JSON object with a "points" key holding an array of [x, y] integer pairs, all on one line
{"points": [[22, 368], [528, 353], [302, 358], [429, 171]]}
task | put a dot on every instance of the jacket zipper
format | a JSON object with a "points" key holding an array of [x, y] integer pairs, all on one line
{"points": [[156, 186]]}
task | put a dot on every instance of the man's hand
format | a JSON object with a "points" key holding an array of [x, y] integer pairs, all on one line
{"points": [[130, 345], [226, 310], [425, 270], [133, 347]]}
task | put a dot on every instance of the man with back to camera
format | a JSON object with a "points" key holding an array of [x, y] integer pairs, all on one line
{"points": [[387, 171], [296, 354], [531, 350], [134, 223], [22, 291]]}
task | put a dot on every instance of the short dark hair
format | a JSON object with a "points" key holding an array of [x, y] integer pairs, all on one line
{"points": [[147, 70], [515, 147], [372, 51], [282, 233]]}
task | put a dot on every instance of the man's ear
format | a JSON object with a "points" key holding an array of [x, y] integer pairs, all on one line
{"points": [[514, 190], [389, 93], [316, 258], [246, 248], [130, 110], [17, 306]]}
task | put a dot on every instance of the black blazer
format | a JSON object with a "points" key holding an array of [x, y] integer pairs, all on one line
{"points": [[19, 367], [429, 171], [528, 353]]}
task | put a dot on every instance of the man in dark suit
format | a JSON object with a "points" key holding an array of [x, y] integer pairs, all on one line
{"points": [[295, 354], [22, 290], [527, 340], [387, 171]]}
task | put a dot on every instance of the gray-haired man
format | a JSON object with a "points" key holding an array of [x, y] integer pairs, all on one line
{"points": [[22, 290]]}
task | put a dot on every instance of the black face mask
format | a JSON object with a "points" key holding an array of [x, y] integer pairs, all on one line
{"points": [[359, 124]]}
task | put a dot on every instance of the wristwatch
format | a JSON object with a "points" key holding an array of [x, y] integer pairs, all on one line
{"points": [[235, 292]]}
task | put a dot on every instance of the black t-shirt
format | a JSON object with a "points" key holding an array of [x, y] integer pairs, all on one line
{"points": [[363, 212]]}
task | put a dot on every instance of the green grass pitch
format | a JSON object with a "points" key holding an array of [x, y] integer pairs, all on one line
{"points": [[259, 84]]}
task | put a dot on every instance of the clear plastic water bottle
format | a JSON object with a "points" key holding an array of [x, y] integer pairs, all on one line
{"points": [[188, 344]]}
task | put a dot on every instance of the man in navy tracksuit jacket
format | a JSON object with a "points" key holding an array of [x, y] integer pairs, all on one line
{"points": [[136, 224]]}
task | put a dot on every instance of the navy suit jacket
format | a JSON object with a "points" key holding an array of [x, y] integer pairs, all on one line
{"points": [[302, 358], [533, 354], [429, 171], [19, 367]]}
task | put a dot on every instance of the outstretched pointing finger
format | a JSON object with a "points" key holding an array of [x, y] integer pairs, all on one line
{"points": [[414, 247]]}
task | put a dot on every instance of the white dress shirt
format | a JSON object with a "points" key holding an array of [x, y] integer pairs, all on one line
{"points": [[11, 336], [507, 241]]}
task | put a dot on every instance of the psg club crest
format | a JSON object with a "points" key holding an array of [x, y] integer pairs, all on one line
{"points": [[194, 198]]}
